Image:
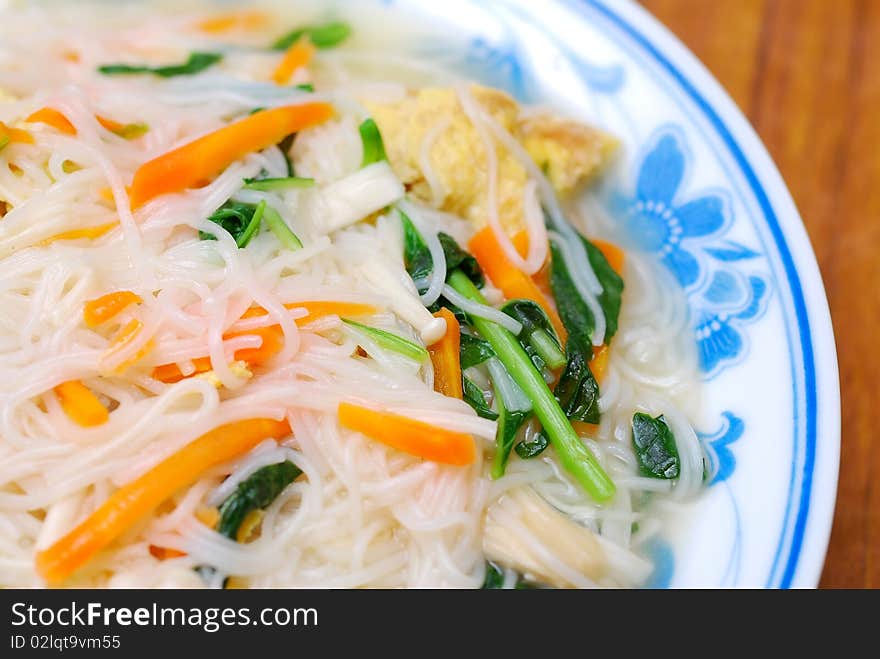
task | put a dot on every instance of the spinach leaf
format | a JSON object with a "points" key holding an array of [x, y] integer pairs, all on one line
{"points": [[374, 147], [416, 256], [577, 390], [322, 36], [494, 579], [527, 450], [474, 397], [196, 63], [538, 338], [509, 423], [474, 351], [655, 447], [257, 491], [285, 145], [457, 258], [239, 220], [575, 314]]}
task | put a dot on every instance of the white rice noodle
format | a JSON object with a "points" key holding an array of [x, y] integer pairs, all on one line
{"points": [[481, 310], [438, 193], [481, 121]]}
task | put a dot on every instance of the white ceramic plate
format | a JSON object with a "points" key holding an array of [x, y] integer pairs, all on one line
{"points": [[697, 189]]}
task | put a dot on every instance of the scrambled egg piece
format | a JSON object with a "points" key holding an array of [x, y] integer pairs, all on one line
{"points": [[439, 155]]}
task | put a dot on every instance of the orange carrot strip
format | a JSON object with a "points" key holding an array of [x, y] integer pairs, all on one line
{"points": [[613, 254], [273, 341], [171, 373], [164, 553], [410, 436], [512, 281], [80, 404], [232, 20], [296, 57], [126, 131], [584, 429], [542, 277], [273, 337], [107, 306], [140, 497], [200, 160], [446, 357], [11, 134], [208, 515], [599, 363], [75, 234], [124, 338], [52, 117]]}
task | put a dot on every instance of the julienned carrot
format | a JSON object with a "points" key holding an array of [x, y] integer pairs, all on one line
{"points": [[446, 357], [410, 436], [75, 234], [599, 363], [197, 162], [273, 337], [107, 306], [512, 281], [80, 404], [126, 131], [613, 254], [124, 337], [164, 553], [232, 20], [52, 117], [296, 57], [10, 134], [133, 501]]}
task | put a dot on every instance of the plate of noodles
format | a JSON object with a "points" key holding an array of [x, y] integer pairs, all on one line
{"points": [[398, 293]]}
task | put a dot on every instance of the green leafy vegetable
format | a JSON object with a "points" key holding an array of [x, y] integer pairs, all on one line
{"points": [[285, 145], [272, 184], [573, 455], [279, 227], [256, 492], [457, 258], [474, 351], [655, 447], [305, 86], [527, 450], [417, 256], [4, 140], [575, 314], [577, 390], [371, 138], [509, 423], [391, 341], [537, 337], [239, 220], [494, 579], [322, 36], [474, 397], [196, 63], [131, 131]]}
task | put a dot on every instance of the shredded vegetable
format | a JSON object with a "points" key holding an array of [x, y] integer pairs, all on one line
{"points": [[141, 496]]}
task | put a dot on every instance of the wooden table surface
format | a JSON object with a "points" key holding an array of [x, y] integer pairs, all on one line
{"points": [[807, 75]]}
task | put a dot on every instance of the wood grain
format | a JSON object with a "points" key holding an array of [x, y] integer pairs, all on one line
{"points": [[807, 75]]}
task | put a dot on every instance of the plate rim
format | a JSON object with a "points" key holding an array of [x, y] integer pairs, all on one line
{"points": [[816, 502]]}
